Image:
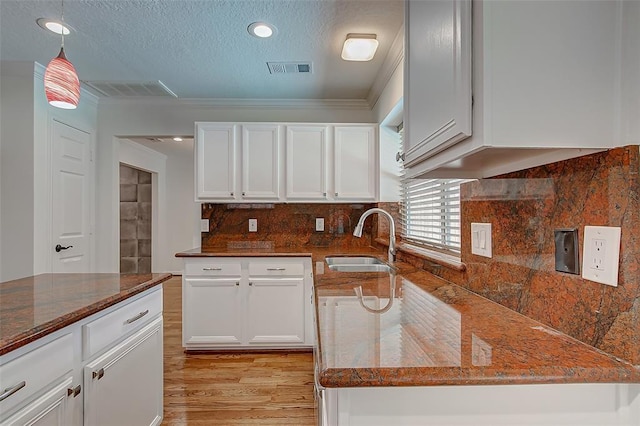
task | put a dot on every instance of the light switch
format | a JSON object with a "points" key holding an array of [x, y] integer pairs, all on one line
{"points": [[320, 224], [204, 225], [253, 225], [481, 239], [601, 254]]}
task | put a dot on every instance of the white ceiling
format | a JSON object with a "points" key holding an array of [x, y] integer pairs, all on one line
{"points": [[201, 48]]}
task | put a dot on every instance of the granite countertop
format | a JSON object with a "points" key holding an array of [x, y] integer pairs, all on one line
{"points": [[33, 307], [432, 333]]}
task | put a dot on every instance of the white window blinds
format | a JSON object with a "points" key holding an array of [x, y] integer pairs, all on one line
{"points": [[430, 212]]}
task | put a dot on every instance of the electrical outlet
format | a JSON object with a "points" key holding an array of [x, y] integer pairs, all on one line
{"points": [[601, 254], [204, 225], [253, 225], [320, 224], [481, 239]]}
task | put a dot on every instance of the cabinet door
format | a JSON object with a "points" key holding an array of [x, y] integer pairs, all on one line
{"points": [[275, 311], [124, 386], [51, 409], [356, 163], [261, 161], [211, 312], [307, 162], [215, 161], [437, 89]]}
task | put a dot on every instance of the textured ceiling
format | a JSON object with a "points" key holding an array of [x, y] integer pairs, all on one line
{"points": [[201, 48]]}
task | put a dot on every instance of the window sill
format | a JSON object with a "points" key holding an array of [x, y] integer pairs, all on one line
{"points": [[442, 259]]}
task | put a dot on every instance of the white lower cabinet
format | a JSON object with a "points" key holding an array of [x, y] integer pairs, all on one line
{"points": [[124, 386], [240, 303], [103, 370], [51, 409]]}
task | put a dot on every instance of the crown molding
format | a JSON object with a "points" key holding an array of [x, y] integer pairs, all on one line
{"points": [[394, 58], [242, 103]]}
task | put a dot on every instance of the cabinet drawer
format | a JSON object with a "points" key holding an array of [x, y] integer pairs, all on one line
{"points": [[105, 330], [209, 268], [276, 269], [32, 372]]}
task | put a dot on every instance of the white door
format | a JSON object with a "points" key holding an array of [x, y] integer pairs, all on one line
{"points": [[356, 163], [307, 162], [275, 309], [71, 204], [261, 161]]}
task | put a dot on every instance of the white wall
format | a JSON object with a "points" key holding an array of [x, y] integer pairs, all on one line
{"points": [[123, 120], [25, 172]]}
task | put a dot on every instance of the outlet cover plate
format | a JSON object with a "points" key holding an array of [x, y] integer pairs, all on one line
{"points": [[601, 254], [204, 225], [253, 225], [320, 224], [481, 239]]}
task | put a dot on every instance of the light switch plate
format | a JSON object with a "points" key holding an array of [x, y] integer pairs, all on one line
{"points": [[253, 225], [481, 239], [601, 254], [320, 224], [204, 225]]}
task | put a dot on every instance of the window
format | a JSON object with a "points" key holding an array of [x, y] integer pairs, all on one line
{"points": [[430, 212]]}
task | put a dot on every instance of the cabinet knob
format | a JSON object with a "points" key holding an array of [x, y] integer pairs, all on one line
{"points": [[232, 194], [237, 283], [336, 194], [74, 391], [243, 194], [324, 194], [250, 283], [99, 374]]}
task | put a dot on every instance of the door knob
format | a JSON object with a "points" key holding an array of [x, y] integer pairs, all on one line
{"points": [[59, 248]]}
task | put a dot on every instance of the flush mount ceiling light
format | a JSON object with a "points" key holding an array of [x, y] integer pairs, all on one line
{"points": [[261, 30], [61, 83], [54, 25], [359, 47]]}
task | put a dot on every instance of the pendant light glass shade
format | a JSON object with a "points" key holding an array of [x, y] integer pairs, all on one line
{"points": [[61, 84]]}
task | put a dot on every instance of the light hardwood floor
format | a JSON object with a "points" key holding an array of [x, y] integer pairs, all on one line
{"points": [[231, 389]]}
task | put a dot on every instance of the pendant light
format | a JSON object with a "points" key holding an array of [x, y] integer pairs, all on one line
{"points": [[61, 83]]}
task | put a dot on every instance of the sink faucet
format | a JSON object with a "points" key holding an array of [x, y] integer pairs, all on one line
{"points": [[392, 230]]}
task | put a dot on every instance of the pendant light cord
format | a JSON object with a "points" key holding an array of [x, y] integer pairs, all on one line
{"points": [[62, 19]]}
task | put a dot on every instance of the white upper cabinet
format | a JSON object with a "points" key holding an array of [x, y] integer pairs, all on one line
{"points": [[307, 162], [547, 84], [261, 161], [215, 158], [356, 173], [437, 86], [281, 162]]}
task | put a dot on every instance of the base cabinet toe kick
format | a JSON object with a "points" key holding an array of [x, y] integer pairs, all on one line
{"points": [[105, 369]]}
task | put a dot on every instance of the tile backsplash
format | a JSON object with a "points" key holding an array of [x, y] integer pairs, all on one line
{"points": [[524, 209]]}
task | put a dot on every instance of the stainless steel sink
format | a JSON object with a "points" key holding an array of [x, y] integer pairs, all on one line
{"points": [[353, 260], [360, 268], [356, 264]]}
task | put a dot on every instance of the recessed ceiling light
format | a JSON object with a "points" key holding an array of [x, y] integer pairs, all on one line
{"points": [[261, 30], [177, 139], [359, 47], [54, 25]]}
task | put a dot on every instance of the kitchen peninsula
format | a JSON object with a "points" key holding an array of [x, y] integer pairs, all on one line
{"points": [[411, 348], [81, 348]]}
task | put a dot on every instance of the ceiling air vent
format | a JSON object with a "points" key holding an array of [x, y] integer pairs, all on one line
{"points": [[126, 89], [289, 67]]}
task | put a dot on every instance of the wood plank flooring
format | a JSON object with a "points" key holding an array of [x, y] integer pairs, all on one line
{"points": [[231, 389]]}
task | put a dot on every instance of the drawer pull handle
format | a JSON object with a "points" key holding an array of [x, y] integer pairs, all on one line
{"points": [[237, 283], [137, 317], [212, 269], [10, 391], [75, 391], [99, 374], [276, 269]]}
